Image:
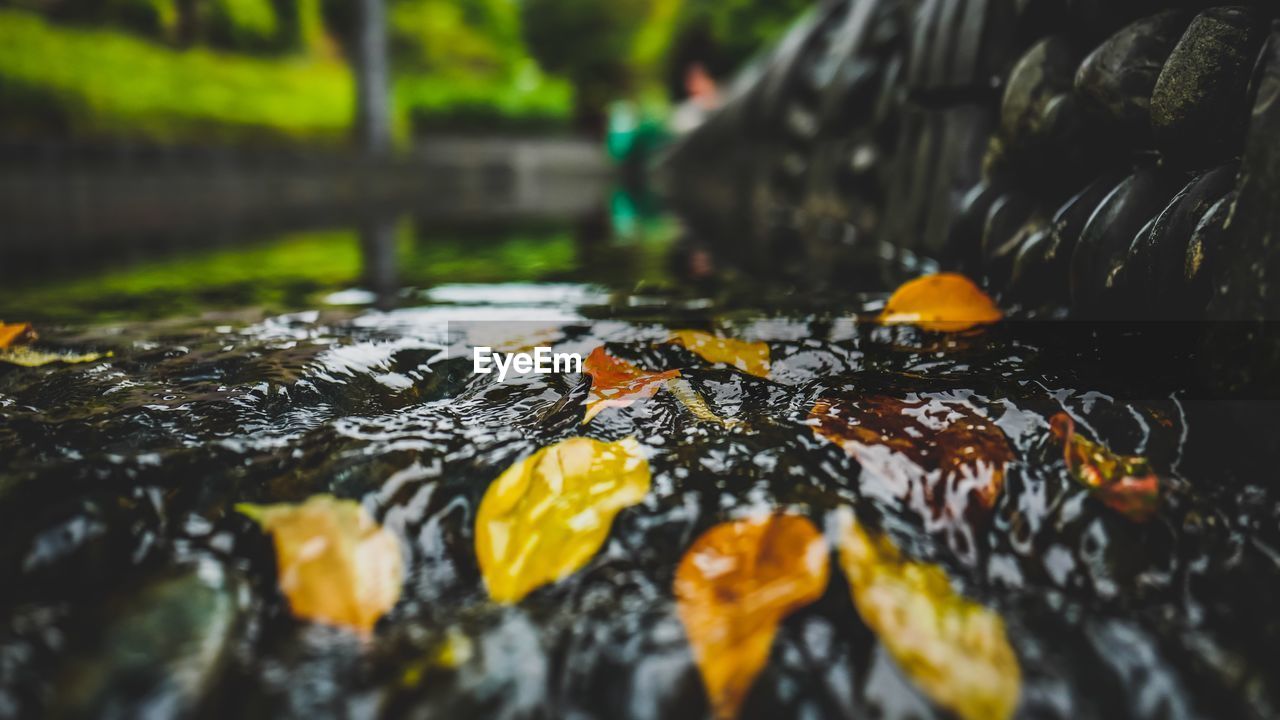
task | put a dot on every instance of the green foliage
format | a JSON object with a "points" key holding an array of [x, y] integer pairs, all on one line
{"points": [[589, 41], [99, 82], [456, 36], [106, 83], [243, 24], [529, 102], [744, 27]]}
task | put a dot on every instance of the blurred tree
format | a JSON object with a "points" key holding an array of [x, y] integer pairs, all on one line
{"points": [[456, 36], [591, 42], [742, 28]]}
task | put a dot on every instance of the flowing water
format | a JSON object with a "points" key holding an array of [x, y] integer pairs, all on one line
{"points": [[129, 584]]}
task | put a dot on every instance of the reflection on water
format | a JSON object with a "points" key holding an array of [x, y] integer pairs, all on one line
{"points": [[929, 552]]}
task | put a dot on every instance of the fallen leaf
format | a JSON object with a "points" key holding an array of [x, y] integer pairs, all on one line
{"points": [[336, 564], [548, 514], [955, 650], [16, 333], [30, 357], [749, 357], [1125, 483], [618, 383], [695, 403], [947, 302], [733, 587], [936, 453]]}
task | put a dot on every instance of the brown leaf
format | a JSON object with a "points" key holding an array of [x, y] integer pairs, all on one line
{"points": [[955, 650], [618, 383], [549, 514], [947, 302], [935, 453], [734, 586], [336, 564], [1125, 483], [749, 357]]}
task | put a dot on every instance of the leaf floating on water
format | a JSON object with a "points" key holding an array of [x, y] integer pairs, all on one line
{"points": [[695, 403], [1125, 483], [618, 383], [16, 334], [548, 514], [749, 357], [955, 650], [336, 564], [733, 587], [30, 357], [15, 340], [947, 302], [929, 449]]}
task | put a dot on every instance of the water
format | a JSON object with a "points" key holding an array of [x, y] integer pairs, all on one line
{"points": [[276, 371]]}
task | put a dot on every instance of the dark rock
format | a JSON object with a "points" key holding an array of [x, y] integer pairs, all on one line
{"points": [[1035, 275], [1012, 217], [1039, 108], [1158, 257], [1098, 263], [157, 652], [1042, 269], [1204, 251], [1199, 108], [1245, 282], [964, 245], [1116, 80]]}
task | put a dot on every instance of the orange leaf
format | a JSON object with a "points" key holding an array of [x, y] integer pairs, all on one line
{"points": [[946, 302], [751, 358], [618, 383], [938, 454], [734, 586], [1125, 483], [336, 564], [955, 650], [20, 333]]}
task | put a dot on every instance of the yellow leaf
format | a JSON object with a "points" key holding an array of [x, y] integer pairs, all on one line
{"points": [[734, 586], [618, 383], [955, 650], [16, 333], [947, 302], [549, 514], [30, 357], [336, 564], [749, 357]]}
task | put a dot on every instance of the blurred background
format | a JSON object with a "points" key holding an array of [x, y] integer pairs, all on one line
{"points": [[256, 149]]}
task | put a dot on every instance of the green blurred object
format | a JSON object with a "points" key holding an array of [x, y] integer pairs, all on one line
{"points": [[635, 135]]}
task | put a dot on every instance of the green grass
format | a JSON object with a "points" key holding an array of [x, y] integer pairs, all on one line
{"points": [[92, 82], [106, 83]]}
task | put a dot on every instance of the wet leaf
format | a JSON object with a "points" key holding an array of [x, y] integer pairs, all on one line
{"points": [[1125, 483], [935, 452], [618, 383], [947, 302], [16, 334], [695, 403], [733, 587], [336, 564], [30, 357], [549, 514], [749, 357], [955, 650]]}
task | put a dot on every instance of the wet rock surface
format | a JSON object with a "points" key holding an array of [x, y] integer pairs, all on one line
{"points": [[131, 584]]}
